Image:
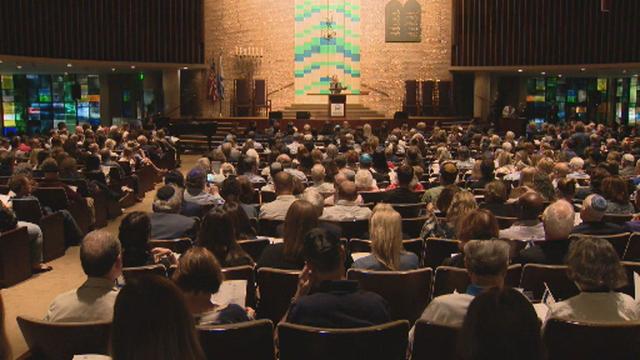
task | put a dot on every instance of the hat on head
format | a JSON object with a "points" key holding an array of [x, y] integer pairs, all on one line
{"points": [[365, 159], [593, 208], [165, 193], [195, 173]]}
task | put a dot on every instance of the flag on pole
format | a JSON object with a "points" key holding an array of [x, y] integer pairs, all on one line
{"points": [[220, 80]]}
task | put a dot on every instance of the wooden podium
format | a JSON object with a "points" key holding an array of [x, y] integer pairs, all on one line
{"points": [[337, 103]]}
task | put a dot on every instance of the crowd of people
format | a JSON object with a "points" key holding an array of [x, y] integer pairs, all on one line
{"points": [[555, 182]]}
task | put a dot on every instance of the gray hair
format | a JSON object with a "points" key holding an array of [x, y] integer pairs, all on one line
{"points": [[318, 173], [364, 180], [315, 198], [99, 251], [486, 257], [558, 219], [593, 263]]}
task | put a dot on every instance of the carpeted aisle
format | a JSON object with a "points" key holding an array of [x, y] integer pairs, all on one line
{"points": [[32, 297]]}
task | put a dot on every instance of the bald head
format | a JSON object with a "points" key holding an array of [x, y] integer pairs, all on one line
{"points": [[531, 205], [339, 178], [99, 254], [558, 219], [347, 191], [318, 173], [283, 183]]}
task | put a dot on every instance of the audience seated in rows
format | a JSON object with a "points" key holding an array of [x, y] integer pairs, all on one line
{"points": [[8, 221], [528, 227], [277, 209], [345, 207], [557, 219], [218, 235], [134, 235], [592, 213], [166, 221]]}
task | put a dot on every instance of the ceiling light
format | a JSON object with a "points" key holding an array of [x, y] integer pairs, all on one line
{"points": [[1, 61], [624, 71], [66, 73], [559, 75], [133, 66], [543, 73], [583, 69], [520, 70], [185, 68], [69, 65], [113, 69], [19, 66]]}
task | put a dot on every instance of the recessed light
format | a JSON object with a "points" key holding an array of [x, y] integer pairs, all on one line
{"points": [[66, 73], [559, 75], [1, 61], [583, 69], [69, 65], [543, 73], [19, 66], [624, 71], [133, 66], [520, 70], [113, 69], [185, 68]]}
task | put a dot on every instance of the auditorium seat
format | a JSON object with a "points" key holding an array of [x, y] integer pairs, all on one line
{"points": [[61, 341], [52, 226], [138, 271], [56, 199], [146, 177], [449, 279], [407, 292], [246, 273], [437, 250], [15, 257], [409, 210], [254, 247], [267, 196], [632, 252], [380, 342], [269, 228], [179, 245], [355, 229], [411, 227], [372, 196], [534, 277], [504, 222], [618, 241], [619, 219], [251, 340], [586, 341], [434, 341], [276, 287]]}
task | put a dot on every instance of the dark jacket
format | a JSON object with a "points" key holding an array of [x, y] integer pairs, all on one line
{"points": [[166, 226]]}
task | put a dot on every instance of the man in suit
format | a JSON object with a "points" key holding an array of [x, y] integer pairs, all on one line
{"points": [[166, 222], [403, 193], [101, 258]]}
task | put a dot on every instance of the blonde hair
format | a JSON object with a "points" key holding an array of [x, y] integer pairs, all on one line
{"points": [[463, 203], [385, 231]]}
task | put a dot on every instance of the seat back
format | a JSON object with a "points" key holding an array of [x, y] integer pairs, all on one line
{"points": [[632, 252], [412, 226], [450, 279], [437, 250], [619, 219], [406, 292], [267, 196], [62, 341], [415, 246], [580, 340], [254, 247], [268, 227], [372, 196], [251, 340], [138, 271], [27, 210], [387, 341], [409, 210], [434, 341], [277, 287], [180, 245], [55, 198], [15, 257], [618, 241], [246, 273], [534, 276], [505, 222], [630, 267], [356, 229]]}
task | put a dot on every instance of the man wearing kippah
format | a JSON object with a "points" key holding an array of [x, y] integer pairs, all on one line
{"points": [[592, 212], [166, 221]]}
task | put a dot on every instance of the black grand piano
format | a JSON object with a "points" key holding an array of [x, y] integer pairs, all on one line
{"points": [[182, 126]]}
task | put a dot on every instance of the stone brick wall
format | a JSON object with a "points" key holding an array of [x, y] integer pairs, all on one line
{"points": [[270, 24]]}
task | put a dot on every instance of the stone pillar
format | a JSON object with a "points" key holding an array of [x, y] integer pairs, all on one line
{"points": [[482, 96]]}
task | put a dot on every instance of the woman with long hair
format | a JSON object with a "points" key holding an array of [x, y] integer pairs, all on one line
{"points": [[241, 222], [616, 191], [151, 321], [301, 217], [463, 202], [134, 235], [218, 235], [387, 252]]}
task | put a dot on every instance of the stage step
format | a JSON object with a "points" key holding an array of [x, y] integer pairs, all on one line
{"points": [[321, 112]]}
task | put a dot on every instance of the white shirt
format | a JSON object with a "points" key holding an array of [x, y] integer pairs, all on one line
{"points": [[346, 210], [596, 307], [277, 209], [92, 301], [448, 309]]}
